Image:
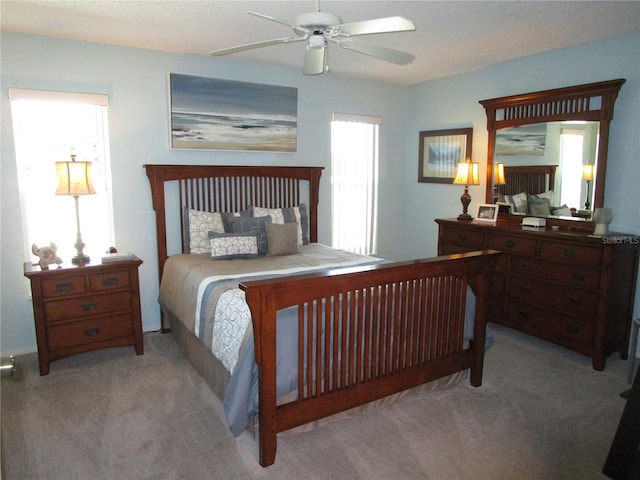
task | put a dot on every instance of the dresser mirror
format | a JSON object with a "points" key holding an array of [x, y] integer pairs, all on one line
{"points": [[547, 150]]}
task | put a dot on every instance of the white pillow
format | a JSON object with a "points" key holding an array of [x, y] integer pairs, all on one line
{"points": [[200, 224]]}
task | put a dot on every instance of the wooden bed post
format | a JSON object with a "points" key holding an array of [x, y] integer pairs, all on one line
{"points": [[263, 316], [483, 286]]}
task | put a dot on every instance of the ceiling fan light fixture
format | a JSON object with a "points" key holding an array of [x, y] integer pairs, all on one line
{"points": [[317, 41]]}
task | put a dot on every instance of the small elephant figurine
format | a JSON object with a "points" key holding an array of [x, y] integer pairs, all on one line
{"points": [[46, 254]]}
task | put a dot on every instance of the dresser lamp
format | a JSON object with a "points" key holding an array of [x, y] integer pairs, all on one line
{"points": [[587, 174], [498, 179], [74, 178], [466, 174]]}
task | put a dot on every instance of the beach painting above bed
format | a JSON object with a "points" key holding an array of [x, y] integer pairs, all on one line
{"points": [[219, 114]]}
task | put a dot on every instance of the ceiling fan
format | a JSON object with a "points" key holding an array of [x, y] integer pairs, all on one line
{"points": [[320, 28]]}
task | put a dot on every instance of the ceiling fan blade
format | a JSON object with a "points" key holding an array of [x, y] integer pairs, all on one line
{"points": [[314, 60], [383, 53], [251, 46], [298, 30], [380, 25]]}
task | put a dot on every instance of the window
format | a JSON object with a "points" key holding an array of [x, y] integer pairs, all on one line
{"points": [[48, 127], [354, 182], [571, 148]]}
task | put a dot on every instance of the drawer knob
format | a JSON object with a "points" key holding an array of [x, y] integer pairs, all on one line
{"points": [[509, 243], [110, 281], [462, 236], [525, 289], [64, 287], [89, 306], [92, 331], [523, 316], [577, 276], [527, 267], [569, 253], [573, 329], [576, 302]]}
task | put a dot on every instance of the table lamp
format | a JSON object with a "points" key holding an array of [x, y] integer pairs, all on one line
{"points": [[74, 178], [587, 174], [466, 174]]}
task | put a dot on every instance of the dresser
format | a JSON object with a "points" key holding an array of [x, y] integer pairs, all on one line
{"points": [[563, 285], [78, 309]]}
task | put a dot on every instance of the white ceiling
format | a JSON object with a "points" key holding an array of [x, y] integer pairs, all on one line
{"points": [[451, 36]]}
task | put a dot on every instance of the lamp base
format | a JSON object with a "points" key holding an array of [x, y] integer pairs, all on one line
{"points": [[81, 260], [465, 217]]}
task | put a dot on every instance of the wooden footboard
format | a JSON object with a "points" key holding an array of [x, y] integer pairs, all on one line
{"points": [[367, 333]]}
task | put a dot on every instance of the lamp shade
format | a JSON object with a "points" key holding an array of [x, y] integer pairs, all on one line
{"points": [[587, 171], [498, 174], [74, 178], [467, 174]]}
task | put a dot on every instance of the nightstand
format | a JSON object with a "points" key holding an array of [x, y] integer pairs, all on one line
{"points": [[79, 309]]}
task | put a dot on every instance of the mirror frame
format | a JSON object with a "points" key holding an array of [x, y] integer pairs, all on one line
{"points": [[591, 102]]}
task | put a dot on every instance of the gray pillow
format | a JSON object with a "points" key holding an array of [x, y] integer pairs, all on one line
{"points": [[282, 238], [228, 246], [255, 226]]}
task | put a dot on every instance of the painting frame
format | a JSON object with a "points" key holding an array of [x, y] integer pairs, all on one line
{"points": [[487, 212], [440, 151], [209, 113]]}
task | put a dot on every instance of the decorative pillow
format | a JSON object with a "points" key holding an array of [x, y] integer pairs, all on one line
{"points": [[200, 224], [299, 215], [282, 238], [519, 201], [228, 218], [227, 246], [255, 226], [538, 206], [561, 211]]}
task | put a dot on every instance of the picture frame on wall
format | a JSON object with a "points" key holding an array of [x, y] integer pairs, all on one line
{"points": [[487, 212], [439, 153], [220, 114]]}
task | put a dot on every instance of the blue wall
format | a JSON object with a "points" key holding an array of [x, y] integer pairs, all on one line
{"points": [[136, 81]]}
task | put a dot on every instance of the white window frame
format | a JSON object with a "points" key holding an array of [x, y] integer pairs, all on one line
{"points": [[45, 216]]}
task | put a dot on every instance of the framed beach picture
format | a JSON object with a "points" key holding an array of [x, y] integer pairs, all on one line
{"points": [[218, 114], [439, 153]]}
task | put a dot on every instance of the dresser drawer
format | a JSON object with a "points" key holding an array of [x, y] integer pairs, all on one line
{"points": [[109, 281], [574, 254], [465, 237], [515, 244], [571, 274], [562, 297], [58, 287], [89, 331], [550, 325], [98, 304]]}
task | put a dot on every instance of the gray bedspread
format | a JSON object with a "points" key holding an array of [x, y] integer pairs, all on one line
{"points": [[193, 285]]}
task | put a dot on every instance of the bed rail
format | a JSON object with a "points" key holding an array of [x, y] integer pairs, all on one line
{"points": [[367, 333]]}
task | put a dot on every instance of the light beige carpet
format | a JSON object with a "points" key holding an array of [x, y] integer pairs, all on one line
{"points": [[541, 413]]}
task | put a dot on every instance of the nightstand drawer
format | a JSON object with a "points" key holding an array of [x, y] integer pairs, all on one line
{"points": [[89, 305], [89, 331], [109, 281], [575, 254], [514, 244], [57, 287]]}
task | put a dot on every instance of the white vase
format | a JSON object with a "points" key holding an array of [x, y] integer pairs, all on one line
{"points": [[602, 218]]}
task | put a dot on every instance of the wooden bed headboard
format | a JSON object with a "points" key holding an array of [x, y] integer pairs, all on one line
{"points": [[224, 188], [529, 178]]}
